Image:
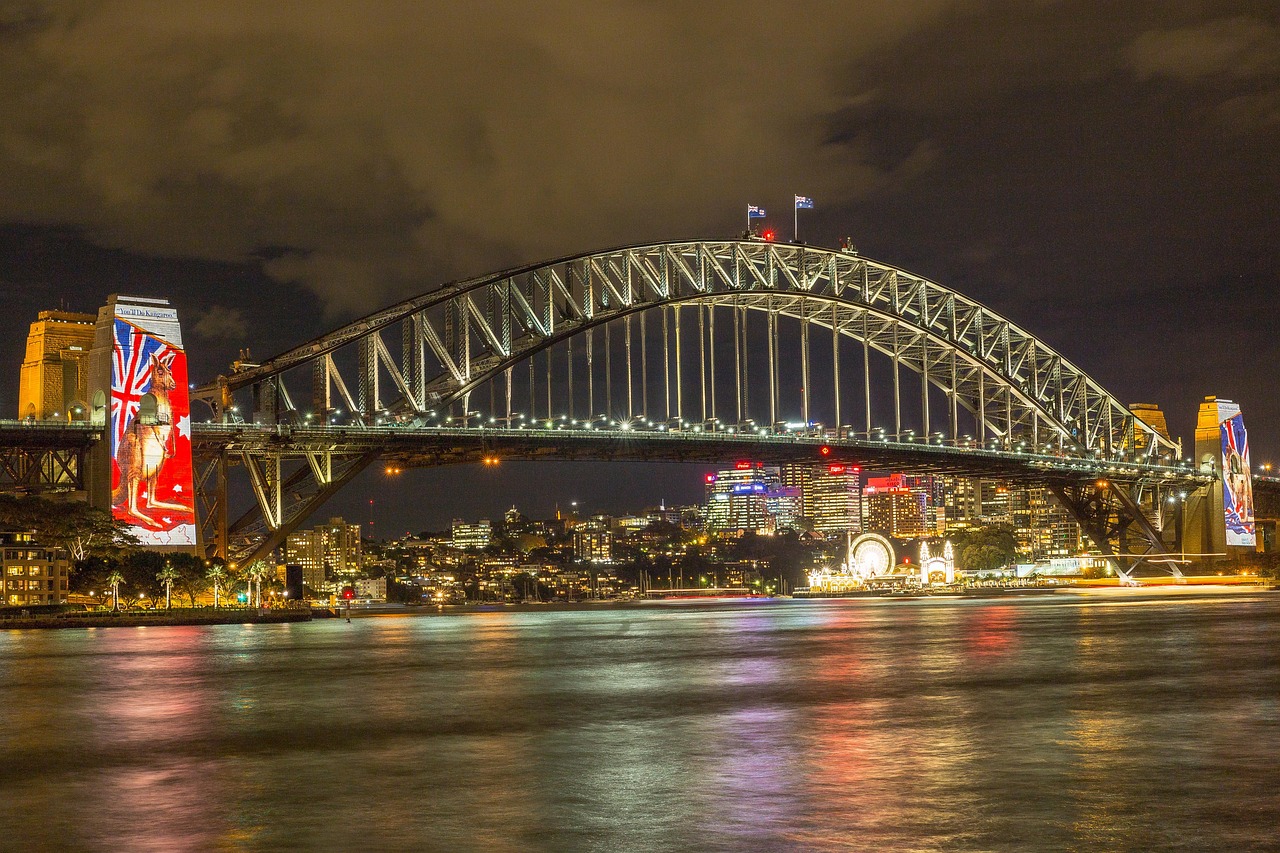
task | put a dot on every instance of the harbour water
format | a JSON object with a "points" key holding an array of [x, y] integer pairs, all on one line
{"points": [[1118, 721]]}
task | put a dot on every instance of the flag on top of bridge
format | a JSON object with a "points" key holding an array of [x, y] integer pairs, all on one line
{"points": [[804, 203], [755, 211]]}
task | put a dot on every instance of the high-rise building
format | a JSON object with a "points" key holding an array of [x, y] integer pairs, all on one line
{"points": [[593, 543], [55, 372], [326, 552], [472, 537], [739, 498], [1042, 528], [837, 499], [894, 509], [994, 502], [901, 506], [960, 499], [799, 475], [785, 505]]}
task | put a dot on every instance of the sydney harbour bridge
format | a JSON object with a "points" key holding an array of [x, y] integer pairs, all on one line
{"points": [[707, 351]]}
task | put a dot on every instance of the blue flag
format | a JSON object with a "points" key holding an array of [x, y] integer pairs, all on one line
{"points": [[754, 212], [804, 203]]}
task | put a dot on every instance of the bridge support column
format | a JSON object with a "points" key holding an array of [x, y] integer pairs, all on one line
{"points": [[804, 368], [835, 363]]}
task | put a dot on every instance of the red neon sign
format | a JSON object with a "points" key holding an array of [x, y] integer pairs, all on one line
{"points": [[743, 466]]}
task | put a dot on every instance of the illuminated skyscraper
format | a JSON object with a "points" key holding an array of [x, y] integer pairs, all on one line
{"points": [[740, 498], [904, 506], [471, 536], [837, 499], [894, 509]]}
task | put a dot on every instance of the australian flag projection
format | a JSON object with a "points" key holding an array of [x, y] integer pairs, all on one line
{"points": [[152, 483], [1237, 482]]}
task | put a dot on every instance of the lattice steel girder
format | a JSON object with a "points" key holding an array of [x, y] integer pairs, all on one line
{"points": [[1109, 513], [41, 469], [288, 483], [494, 321]]}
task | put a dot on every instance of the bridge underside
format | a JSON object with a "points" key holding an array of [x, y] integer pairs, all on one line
{"points": [[44, 457], [292, 472]]}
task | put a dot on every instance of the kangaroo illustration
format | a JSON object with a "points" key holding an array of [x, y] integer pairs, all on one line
{"points": [[145, 449]]}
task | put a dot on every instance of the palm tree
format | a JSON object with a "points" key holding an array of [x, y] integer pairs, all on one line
{"points": [[255, 573], [167, 576], [114, 580], [217, 574]]}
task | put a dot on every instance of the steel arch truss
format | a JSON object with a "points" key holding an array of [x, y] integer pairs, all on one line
{"points": [[420, 358], [454, 339]]}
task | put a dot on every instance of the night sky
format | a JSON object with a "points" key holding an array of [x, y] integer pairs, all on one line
{"points": [[1104, 174]]}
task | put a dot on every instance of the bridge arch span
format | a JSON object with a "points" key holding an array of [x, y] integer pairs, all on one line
{"points": [[455, 339]]}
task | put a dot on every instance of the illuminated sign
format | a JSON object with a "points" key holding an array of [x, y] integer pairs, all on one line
{"points": [[1237, 477], [835, 469], [748, 489], [710, 478], [150, 424], [743, 466]]}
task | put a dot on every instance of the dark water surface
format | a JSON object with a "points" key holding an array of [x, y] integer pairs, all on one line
{"points": [[1077, 722]]}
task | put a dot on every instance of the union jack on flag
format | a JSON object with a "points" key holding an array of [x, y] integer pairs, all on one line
{"points": [[131, 374]]}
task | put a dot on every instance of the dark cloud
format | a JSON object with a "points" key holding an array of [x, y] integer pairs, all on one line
{"points": [[219, 322], [1239, 47], [383, 147]]}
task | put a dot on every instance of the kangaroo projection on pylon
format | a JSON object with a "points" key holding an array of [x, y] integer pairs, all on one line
{"points": [[145, 448]]}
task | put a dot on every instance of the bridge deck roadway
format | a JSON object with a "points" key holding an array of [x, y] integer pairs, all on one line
{"points": [[47, 434], [431, 446]]}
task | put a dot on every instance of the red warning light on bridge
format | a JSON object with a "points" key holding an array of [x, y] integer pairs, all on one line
{"points": [[769, 235]]}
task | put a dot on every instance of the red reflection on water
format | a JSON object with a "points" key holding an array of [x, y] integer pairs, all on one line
{"points": [[153, 707], [990, 633]]}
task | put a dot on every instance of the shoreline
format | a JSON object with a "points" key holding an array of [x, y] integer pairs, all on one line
{"points": [[1040, 594], [108, 619]]}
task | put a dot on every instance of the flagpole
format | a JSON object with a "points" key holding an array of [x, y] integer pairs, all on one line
{"points": [[795, 222]]}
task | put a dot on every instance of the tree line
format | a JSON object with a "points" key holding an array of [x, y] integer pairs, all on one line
{"points": [[109, 564]]}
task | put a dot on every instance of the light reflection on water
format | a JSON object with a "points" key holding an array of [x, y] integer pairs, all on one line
{"points": [[1081, 722]]}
